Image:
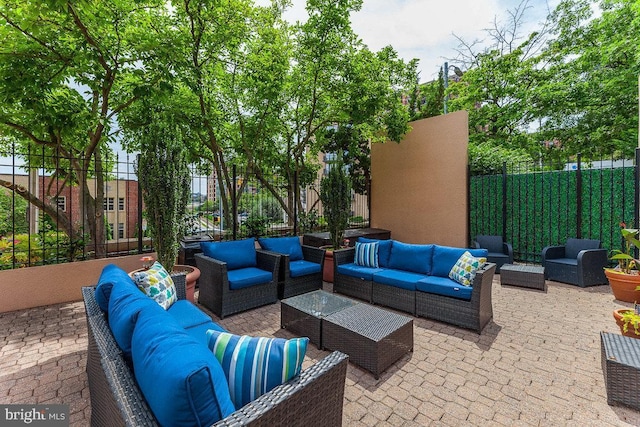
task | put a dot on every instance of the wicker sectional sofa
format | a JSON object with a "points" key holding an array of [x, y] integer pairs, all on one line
{"points": [[118, 399], [415, 279]]}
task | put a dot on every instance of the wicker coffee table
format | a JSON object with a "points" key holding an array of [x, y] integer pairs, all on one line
{"points": [[525, 276], [372, 337], [303, 314]]}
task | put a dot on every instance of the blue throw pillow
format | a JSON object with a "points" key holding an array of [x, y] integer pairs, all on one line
{"points": [[254, 366], [283, 245], [179, 377], [384, 250], [237, 253], [411, 257], [111, 274], [366, 254]]}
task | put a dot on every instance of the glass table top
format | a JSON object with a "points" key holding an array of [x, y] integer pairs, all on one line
{"points": [[319, 303]]}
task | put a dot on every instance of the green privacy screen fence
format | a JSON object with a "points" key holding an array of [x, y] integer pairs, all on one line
{"points": [[532, 206]]}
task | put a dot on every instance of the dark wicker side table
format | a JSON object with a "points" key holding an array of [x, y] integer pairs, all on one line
{"points": [[620, 357], [525, 276], [372, 337]]}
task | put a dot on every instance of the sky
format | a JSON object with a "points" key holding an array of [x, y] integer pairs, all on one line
{"points": [[424, 29]]}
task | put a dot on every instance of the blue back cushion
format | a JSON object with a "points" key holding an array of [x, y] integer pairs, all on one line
{"points": [[237, 253], [411, 257], [445, 257], [181, 380], [111, 274], [125, 304], [384, 250], [283, 245]]}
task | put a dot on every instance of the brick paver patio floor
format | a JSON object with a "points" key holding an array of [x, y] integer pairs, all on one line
{"points": [[537, 364]]}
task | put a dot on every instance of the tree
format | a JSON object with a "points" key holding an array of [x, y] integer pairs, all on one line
{"points": [[67, 69], [589, 99], [335, 193]]}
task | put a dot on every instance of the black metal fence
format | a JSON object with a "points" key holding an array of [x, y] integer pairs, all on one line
{"points": [[532, 205], [44, 217]]}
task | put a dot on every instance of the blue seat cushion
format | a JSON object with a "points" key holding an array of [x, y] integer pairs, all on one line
{"points": [[563, 261], [303, 268], [445, 257], [411, 257], [237, 253], [181, 380], [444, 286], [496, 255], [283, 245], [199, 332], [110, 274], [398, 278], [384, 250], [246, 277], [355, 270], [125, 303], [187, 314]]}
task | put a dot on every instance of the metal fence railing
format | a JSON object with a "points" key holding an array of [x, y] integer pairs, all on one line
{"points": [[533, 206], [48, 216]]}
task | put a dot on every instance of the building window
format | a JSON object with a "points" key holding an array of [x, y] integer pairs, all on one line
{"points": [[121, 230], [120, 203], [109, 203], [62, 203], [110, 231]]}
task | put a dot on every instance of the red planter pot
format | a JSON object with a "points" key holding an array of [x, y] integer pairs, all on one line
{"points": [[617, 314], [623, 285]]}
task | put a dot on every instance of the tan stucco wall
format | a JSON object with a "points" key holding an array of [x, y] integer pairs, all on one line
{"points": [[419, 187], [52, 284]]}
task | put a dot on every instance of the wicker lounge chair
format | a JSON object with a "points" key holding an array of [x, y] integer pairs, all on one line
{"points": [[500, 252], [579, 262], [217, 296], [116, 399]]}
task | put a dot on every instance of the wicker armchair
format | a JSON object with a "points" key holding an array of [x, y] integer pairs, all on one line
{"points": [[500, 252], [291, 286], [579, 262], [116, 399], [217, 296]]}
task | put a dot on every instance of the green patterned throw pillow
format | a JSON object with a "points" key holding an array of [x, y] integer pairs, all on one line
{"points": [[464, 270], [157, 284]]}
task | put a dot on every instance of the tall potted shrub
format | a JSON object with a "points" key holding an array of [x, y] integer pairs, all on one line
{"points": [[164, 176], [335, 195]]}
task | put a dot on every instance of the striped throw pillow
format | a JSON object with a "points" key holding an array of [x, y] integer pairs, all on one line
{"points": [[367, 254], [255, 365]]}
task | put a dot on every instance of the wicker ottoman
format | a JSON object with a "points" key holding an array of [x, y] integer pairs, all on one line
{"points": [[525, 276], [620, 357], [372, 337]]}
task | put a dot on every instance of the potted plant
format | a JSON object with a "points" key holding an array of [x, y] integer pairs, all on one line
{"points": [[164, 177], [624, 279], [628, 321], [335, 195]]}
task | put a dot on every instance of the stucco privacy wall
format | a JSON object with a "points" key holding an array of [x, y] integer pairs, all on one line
{"points": [[52, 284], [419, 187]]}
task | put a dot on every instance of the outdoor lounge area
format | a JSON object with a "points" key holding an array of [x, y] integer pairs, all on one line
{"points": [[537, 362]]}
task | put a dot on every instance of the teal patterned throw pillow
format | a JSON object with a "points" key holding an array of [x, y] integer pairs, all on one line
{"points": [[464, 270], [255, 365], [157, 283]]}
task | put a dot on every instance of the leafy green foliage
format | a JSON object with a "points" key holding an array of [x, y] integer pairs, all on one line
{"points": [[165, 179], [335, 194]]}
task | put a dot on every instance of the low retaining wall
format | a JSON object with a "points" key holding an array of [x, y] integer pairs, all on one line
{"points": [[53, 284]]}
